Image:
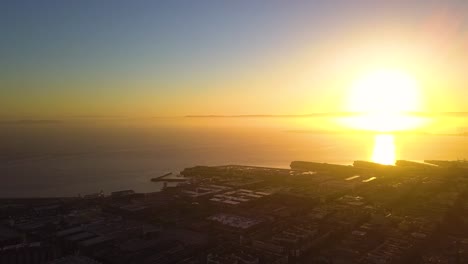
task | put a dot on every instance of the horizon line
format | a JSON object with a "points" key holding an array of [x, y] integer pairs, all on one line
{"points": [[328, 114], [24, 120]]}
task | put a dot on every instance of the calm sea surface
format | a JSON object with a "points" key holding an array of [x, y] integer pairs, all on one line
{"points": [[67, 160]]}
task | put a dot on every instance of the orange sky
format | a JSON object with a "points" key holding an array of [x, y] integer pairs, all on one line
{"points": [[279, 60]]}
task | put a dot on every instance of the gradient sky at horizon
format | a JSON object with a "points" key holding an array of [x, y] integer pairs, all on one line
{"points": [[150, 58]]}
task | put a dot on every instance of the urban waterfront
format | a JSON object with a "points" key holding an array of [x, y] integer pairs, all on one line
{"points": [[311, 213], [87, 160]]}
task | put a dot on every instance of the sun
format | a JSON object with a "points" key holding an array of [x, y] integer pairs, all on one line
{"points": [[385, 91], [383, 100]]}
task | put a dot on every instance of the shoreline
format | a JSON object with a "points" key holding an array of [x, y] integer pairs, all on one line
{"points": [[403, 164]]}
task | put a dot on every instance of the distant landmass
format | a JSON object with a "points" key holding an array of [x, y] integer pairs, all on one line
{"points": [[31, 122], [330, 114], [326, 114]]}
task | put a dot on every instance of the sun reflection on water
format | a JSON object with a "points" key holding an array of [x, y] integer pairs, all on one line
{"points": [[384, 149]]}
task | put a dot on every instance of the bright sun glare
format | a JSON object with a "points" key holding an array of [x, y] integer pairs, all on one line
{"points": [[384, 149], [383, 100]]}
